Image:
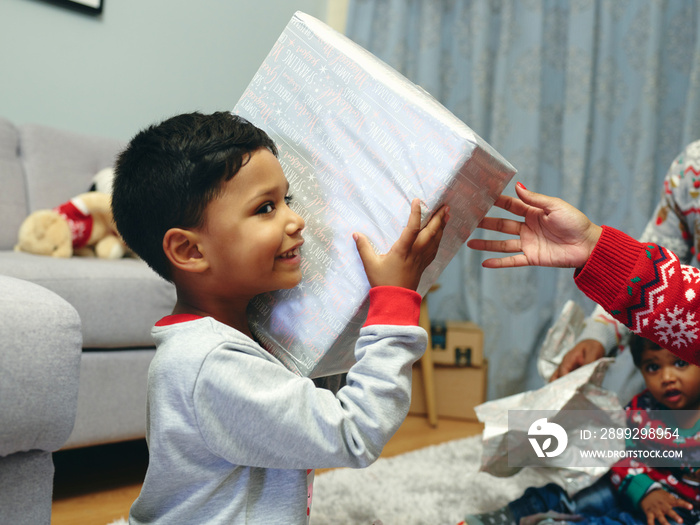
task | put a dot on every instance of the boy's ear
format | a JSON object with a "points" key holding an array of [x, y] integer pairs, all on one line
{"points": [[182, 249]]}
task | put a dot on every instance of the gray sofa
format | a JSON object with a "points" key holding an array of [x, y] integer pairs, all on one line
{"points": [[39, 369], [118, 301]]}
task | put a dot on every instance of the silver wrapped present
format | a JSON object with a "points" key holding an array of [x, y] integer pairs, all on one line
{"points": [[357, 142]]}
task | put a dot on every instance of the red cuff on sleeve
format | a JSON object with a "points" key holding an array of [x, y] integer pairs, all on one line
{"points": [[605, 274], [393, 305]]}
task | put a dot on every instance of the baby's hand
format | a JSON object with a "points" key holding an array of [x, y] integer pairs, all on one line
{"points": [[658, 504], [410, 255]]}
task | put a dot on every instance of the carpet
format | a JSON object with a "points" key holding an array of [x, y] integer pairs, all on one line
{"points": [[431, 486]]}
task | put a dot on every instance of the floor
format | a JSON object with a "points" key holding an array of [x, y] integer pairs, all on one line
{"points": [[97, 485]]}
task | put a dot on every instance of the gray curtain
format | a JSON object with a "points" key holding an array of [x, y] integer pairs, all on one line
{"points": [[589, 99]]}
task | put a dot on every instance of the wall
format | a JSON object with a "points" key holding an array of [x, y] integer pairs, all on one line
{"points": [[139, 62]]}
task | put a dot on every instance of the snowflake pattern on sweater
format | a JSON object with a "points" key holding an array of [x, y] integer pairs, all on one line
{"points": [[633, 478], [674, 325], [675, 224], [645, 287], [679, 212]]}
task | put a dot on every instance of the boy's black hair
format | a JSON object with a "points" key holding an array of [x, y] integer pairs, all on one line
{"points": [[170, 172], [638, 344]]}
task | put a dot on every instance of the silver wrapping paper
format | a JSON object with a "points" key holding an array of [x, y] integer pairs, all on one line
{"points": [[357, 142], [579, 390]]}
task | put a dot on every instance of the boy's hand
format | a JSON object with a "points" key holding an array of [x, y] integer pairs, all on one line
{"points": [[554, 233], [658, 504], [410, 255]]}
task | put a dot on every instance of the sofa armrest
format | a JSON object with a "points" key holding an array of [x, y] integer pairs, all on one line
{"points": [[39, 367]]}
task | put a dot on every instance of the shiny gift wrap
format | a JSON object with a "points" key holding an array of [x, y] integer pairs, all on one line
{"points": [[357, 142], [505, 449]]}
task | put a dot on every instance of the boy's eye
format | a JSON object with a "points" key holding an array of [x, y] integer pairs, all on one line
{"points": [[268, 207], [651, 368], [680, 363]]}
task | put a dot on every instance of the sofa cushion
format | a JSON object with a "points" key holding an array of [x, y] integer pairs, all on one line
{"points": [[60, 164], [13, 199], [118, 300], [112, 397], [40, 364]]}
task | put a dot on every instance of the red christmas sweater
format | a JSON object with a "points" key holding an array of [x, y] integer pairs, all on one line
{"points": [[633, 477], [645, 287]]}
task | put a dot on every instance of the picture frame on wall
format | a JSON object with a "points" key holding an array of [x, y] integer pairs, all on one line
{"points": [[93, 7]]}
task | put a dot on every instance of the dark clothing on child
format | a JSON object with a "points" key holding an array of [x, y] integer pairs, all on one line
{"points": [[595, 505]]}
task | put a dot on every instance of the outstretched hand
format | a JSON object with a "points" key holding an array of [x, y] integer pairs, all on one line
{"points": [[553, 233], [404, 263]]}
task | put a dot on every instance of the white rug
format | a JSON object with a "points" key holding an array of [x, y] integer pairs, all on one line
{"points": [[435, 485], [432, 486]]}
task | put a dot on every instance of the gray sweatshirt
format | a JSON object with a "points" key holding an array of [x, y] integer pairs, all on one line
{"points": [[234, 436]]}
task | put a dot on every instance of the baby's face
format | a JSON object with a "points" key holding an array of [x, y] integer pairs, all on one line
{"points": [[673, 382], [251, 236]]}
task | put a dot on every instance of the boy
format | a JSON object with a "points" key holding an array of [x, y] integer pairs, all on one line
{"points": [[635, 493], [233, 435], [641, 285]]}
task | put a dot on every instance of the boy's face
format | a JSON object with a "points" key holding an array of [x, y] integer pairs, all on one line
{"points": [[251, 238], [671, 381]]}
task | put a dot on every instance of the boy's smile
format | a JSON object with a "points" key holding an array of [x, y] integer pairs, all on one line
{"points": [[291, 256], [251, 238], [671, 381]]}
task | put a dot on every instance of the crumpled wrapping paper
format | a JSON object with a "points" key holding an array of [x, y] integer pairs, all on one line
{"points": [[357, 142], [578, 390]]}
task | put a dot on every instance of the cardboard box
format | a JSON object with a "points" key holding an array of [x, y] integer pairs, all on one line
{"points": [[438, 335], [357, 142], [457, 390], [464, 345]]}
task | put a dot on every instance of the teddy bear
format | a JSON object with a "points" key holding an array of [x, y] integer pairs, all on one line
{"points": [[82, 226]]}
